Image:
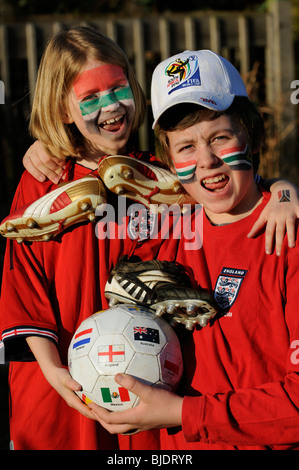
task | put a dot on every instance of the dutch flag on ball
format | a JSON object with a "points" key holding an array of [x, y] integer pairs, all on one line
{"points": [[83, 338]]}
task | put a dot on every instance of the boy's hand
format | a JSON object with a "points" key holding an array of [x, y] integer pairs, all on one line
{"points": [[41, 165], [157, 409]]}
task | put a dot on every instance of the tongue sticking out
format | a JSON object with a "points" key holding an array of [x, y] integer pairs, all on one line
{"points": [[113, 125], [215, 184]]}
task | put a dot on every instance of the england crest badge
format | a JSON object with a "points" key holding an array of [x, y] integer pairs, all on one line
{"points": [[142, 223], [228, 285]]}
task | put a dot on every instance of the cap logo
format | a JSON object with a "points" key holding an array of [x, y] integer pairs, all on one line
{"points": [[182, 73]]}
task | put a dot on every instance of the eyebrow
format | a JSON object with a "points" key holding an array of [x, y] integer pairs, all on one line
{"points": [[181, 143], [95, 89], [230, 131], [190, 140]]}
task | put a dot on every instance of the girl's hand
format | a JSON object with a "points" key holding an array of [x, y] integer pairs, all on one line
{"points": [[61, 380], [41, 165], [46, 354], [279, 216], [157, 409]]}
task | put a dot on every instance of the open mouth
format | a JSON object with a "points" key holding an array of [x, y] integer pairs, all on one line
{"points": [[215, 183], [113, 125]]}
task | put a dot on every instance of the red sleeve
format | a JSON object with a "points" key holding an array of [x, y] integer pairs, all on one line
{"points": [[265, 415], [28, 190], [22, 313]]}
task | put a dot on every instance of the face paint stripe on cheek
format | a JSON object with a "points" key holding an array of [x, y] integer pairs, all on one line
{"points": [[232, 150], [185, 170], [88, 107], [237, 157]]}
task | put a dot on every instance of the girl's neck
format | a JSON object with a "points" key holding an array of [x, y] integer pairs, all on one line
{"points": [[91, 157], [92, 164]]}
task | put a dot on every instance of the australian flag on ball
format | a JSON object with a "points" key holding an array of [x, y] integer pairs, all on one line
{"points": [[151, 335]]}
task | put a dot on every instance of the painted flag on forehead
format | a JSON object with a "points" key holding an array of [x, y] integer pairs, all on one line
{"points": [[151, 335], [83, 338], [115, 394], [111, 353]]}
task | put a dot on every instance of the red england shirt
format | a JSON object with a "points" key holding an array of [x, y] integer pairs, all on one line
{"points": [[241, 383], [48, 289]]}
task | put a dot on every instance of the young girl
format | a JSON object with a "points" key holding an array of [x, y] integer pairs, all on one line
{"points": [[50, 288]]}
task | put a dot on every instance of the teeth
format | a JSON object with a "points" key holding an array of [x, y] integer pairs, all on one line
{"points": [[111, 121], [214, 180]]}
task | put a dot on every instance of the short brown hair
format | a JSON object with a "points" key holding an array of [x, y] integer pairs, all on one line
{"points": [[63, 59], [182, 116]]}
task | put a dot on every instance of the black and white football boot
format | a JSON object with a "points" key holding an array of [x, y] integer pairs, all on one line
{"points": [[164, 287]]}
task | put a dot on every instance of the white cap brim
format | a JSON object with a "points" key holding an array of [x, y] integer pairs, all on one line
{"points": [[219, 102]]}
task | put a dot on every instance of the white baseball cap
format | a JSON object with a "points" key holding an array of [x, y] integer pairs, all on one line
{"points": [[200, 77]]}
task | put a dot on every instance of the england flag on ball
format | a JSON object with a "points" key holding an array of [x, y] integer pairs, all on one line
{"points": [[111, 353]]}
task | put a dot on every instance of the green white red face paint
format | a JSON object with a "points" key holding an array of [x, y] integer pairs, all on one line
{"points": [[100, 88], [185, 170], [238, 158], [92, 107]]}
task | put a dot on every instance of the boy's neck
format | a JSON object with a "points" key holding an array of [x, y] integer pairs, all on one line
{"points": [[252, 201]]}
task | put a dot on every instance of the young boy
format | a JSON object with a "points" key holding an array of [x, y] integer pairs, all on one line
{"points": [[241, 385]]}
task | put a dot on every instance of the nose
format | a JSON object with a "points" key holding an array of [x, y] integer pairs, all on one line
{"points": [[110, 102], [207, 158]]}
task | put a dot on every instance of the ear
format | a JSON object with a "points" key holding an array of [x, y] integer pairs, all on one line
{"points": [[67, 118]]}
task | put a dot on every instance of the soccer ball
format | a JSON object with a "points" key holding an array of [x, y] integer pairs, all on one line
{"points": [[126, 339]]}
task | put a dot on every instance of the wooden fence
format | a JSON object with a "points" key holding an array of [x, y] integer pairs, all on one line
{"points": [[259, 44]]}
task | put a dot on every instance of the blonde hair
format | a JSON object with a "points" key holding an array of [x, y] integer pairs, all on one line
{"points": [[63, 59]]}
